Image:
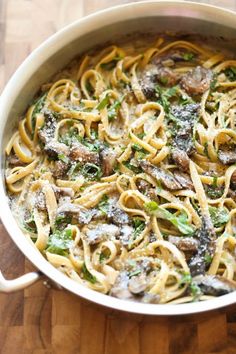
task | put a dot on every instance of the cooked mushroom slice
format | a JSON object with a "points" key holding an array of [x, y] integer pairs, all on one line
{"points": [[227, 157], [40, 201], [120, 288], [47, 132], [185, 244], [62, 191], [181, 159], [197, 81], [154, 74], [186, 116], [81, 153], [108, 161], [165, 177], [184, 180], [206, 237], [233, 181], [14, 160], [137, 284], [214, 285], [100, 232], [125, 235], [53, 149], [60, 169], [115, 213], [83, 215], [151, 298]]}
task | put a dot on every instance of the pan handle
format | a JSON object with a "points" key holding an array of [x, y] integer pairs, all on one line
{"points": [[8, 286]]}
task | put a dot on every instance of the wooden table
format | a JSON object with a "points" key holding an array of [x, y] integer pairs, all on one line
{"points": [[43, 321]]}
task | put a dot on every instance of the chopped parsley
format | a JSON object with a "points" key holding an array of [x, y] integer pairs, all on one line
{"points": [[60, 241], [87, 275], [219, 216], [230, 73], [63, 158], [188, 56], [91, 171], [112, 111], [103, 205], [139, 226]]}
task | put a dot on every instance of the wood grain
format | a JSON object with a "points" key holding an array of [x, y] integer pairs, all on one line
{"points": [[45, 321]]}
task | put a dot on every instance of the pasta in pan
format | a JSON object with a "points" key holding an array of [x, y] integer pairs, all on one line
{"points": [[122, 172]]}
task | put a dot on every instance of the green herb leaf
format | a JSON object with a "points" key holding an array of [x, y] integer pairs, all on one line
{"points": [[103, 204], [139, 226], [91, 171], [180, 222], [188, 56], [63, 158], [219, 216], [134, 273], [39, 105], [231, 73], [112, 111], [104, 102], [60, 241], [111, 64], [87, 275]]}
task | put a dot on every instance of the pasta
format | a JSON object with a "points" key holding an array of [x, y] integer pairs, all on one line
{"points": [[122, 171]]}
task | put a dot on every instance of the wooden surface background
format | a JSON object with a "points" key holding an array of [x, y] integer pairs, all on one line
{"points": [[44, 321]]}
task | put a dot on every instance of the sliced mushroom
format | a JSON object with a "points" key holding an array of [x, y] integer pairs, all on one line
{"points": [[206, 237], [197, 81], [184, 180], [108, 161], [81, 153], [185, 244], [100, 232], [53, 148], [227, 157], [137, 284], [181, 159], [214, 285], [166, 178]]}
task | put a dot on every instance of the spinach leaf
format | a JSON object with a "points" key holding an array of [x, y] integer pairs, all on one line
{"points": [[60, 241], [87, 275], [231, 73], [219, 216], [181, 221]]}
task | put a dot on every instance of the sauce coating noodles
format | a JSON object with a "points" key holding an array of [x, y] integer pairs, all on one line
{"points": [[122, 172]]}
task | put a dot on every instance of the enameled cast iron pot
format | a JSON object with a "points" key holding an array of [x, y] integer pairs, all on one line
{"points": [[53, 55]]}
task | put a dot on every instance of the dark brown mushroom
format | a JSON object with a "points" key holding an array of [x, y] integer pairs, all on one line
{"points": [[184, 180], [166, 178], [108, 161], [214, 285], [81, 153], [227, 157], [185, 244], [181, 159]]}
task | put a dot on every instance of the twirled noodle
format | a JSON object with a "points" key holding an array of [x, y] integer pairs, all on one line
{"points": [[122, 172]]}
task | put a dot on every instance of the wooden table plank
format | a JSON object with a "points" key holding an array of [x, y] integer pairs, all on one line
{"points": [[44, 321]]}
